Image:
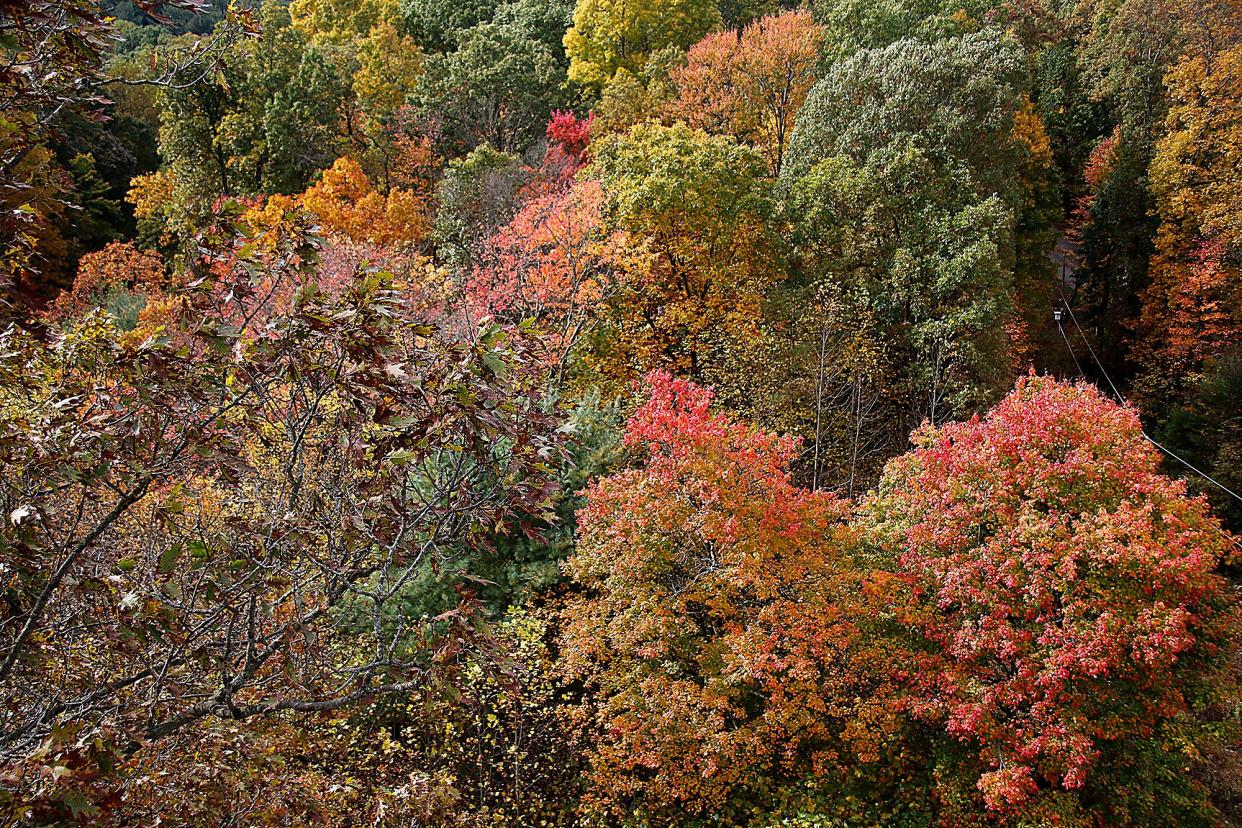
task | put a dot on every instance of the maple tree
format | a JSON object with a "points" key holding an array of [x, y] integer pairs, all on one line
{"points": [[716, 630], [555, 264], [570, 133], [1065, 592]]}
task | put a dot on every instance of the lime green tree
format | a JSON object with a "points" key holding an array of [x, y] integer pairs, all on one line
{"points": [[695, 208], [610, 35]]}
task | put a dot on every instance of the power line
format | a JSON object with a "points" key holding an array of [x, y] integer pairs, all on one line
{"points": [[1104, 373], [1091, 350], [1057, 316]]}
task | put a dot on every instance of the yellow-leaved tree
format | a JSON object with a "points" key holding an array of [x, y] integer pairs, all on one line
{"points": [[608, 35], [694, 207], [1192, 310]]}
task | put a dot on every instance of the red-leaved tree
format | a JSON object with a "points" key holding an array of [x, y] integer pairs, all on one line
{"points": [[571, 133], [1063, 592], [553, 263]]}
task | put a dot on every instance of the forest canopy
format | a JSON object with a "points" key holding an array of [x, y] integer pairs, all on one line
{"points": [[651, 413]]}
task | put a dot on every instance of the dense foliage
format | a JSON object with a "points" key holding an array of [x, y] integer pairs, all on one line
{"points": [[620, 412]]}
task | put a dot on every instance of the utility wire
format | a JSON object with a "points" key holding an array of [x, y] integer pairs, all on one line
{"points": [[1094, 358], [1082, 335], [1069, 347]]}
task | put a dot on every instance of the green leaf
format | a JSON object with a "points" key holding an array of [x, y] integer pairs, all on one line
{"points": [[495, 364], [199, 554], [169, 559], [402, 457]]}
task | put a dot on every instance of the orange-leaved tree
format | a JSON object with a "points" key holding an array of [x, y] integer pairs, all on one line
{"points": [[1192, 311], [120, 266], [348, 205], [717, 630], [750, 84]]}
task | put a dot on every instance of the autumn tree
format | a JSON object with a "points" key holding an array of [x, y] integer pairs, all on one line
{"points": [[716, 629], [108, 278], [338, 21], [348, 205], [389, 69], [693, 207], [56, 73], [1039, 214], [1192, 311], [377, 64], [1123, 51], [53, 65], [751, 83], [611, 35], [35, 258], [191, 506], [554, 264], [1127, 47], [1065, 601], [326, 80], [631, 98], [569, 132]]}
